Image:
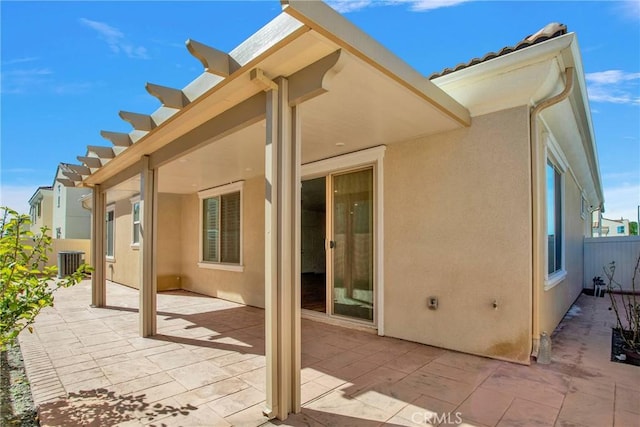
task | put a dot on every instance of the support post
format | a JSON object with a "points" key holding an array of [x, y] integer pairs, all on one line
{"points": [[148, 228], [98, 278], [271, 250], [296, 224], [282, 259]]}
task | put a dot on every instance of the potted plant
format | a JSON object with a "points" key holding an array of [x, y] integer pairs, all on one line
{"points": [[626, 306]]}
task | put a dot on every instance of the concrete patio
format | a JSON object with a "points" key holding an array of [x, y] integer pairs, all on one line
{"points": [[87, 366]]}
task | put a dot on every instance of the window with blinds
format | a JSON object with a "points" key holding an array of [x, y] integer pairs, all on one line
{"points": [[135, 215], [110, 232], [221, 228]]}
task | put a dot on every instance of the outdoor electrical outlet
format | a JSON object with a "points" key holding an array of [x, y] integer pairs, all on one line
{"points": [[432, 303]]}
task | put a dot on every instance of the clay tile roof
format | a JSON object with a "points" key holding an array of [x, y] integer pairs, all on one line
{"points": [[550, 31]]}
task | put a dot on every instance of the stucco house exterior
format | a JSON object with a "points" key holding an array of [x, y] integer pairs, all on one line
{"points": [[312, 172], [605, 227], [40, 208], [59, 207], [70, 219]]}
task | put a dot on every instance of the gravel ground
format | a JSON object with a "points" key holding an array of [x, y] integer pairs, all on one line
{"points": [[16, 406]]}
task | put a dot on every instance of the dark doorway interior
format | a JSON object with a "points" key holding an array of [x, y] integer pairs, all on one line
{"points": [[313, 257]]}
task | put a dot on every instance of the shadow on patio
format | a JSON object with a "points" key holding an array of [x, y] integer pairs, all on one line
{"points": [[206, 367]]}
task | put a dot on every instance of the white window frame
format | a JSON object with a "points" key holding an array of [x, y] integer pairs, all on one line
{"points": [[556, 157], [112, 257], [134, 244], [235, 187]]}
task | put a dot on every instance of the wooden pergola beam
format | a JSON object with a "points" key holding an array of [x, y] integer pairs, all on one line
{"points": [[213, 60], [72, 176], [168, 96], [79, 169], [101, 152], [118, 139], [66, 182], [138, 121], [90, 162]]}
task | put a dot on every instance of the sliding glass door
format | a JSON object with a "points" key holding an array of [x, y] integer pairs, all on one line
{"points": [[352, 244], [337, 244]]}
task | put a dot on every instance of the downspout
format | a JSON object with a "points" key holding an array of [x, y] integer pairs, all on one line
{"points": [[537, 194]]}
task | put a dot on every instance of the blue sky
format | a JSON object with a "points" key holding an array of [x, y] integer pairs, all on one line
{"points": [[67, 68]]}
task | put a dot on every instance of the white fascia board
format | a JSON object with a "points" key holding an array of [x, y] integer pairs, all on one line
{"points": [[37, 196], [509, 62], [57, 175], [573, 58]]}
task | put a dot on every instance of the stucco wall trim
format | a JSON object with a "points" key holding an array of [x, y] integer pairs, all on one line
{"points": [[223, 267]]}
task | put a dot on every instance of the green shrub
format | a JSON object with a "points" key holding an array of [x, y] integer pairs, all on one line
{"points": [[26, 283]]}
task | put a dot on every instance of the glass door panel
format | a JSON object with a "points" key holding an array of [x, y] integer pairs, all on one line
{"points": [[352, 244]]}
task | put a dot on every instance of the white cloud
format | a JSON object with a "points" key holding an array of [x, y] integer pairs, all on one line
{"points": [[17, 196], [611, 77], [424, 5], [40, 80], [72, 88], [19, 60], [622, 201], [345, 6], [23, 80], [28, 73], [629, 9], [614, 86], [116, 39]]}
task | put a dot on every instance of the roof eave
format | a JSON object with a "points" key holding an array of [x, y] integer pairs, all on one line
{"points": [[572, 57], [565, 49], [38, 194], [517, 59]]}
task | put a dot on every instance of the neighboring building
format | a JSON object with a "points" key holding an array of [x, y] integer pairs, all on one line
{"points": [[60, 209], [605, 227], [313, 168], [70, 219], [40, 209]]}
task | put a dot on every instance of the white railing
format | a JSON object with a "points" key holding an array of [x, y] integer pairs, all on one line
{"points": [[600, 251]]}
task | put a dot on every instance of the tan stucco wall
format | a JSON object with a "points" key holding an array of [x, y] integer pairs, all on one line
{"points": [[555, 301], [73, 220], [458, 227], [46, 214], [246, 287], [169, 241], [59, 245], [125, 267]]}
